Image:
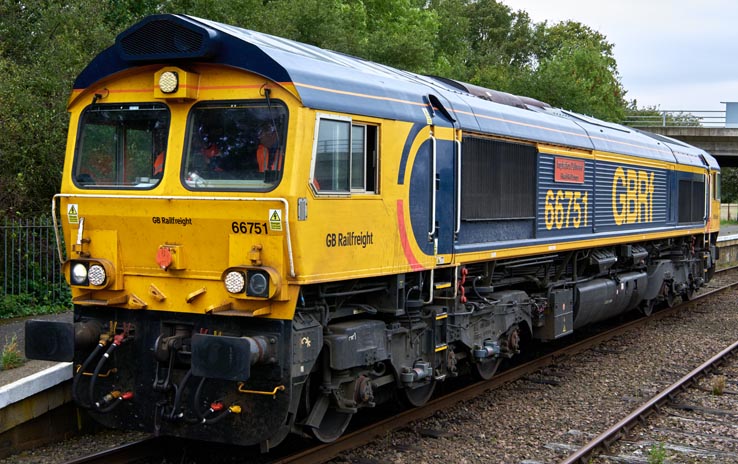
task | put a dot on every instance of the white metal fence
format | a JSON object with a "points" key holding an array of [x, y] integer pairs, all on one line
{"points": [[29, 260]]}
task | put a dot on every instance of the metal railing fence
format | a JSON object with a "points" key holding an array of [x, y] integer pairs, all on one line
{"points": [[30, 263], [678, 118]]}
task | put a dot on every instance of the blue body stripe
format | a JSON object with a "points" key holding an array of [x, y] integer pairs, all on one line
{"points": [[417, 127]]}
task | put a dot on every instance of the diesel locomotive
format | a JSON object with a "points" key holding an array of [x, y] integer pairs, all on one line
{"points": [[263, 237]]}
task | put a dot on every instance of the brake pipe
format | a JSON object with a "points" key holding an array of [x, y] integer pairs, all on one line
{"points": [[80, 372], [117, 341], [215, 406], [178, 395], [114, 398]]}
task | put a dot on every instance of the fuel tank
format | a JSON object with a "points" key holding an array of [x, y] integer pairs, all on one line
{"points": [[600, 299]]}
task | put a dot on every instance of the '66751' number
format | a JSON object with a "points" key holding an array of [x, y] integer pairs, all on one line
{"points": [[249, 228], [566, 208]]}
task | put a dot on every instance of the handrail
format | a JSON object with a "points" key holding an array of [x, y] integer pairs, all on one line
{"points": [[678, 118], [432, 232]]}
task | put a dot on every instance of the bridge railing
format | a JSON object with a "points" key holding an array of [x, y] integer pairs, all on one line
{"points": [[678, 118]]}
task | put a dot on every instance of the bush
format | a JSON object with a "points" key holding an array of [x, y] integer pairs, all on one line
{"points": [[55, 300]]}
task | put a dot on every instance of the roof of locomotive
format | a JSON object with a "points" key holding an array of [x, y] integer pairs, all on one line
{"points": [[332, 81]]}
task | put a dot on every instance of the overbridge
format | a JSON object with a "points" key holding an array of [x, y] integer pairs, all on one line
{"points": [[716, 132]]}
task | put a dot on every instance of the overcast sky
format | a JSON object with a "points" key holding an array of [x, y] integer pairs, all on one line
{"points": [[678, 55]]}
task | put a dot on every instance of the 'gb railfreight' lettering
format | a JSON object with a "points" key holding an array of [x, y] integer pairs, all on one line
{"points": [[349, 239]]}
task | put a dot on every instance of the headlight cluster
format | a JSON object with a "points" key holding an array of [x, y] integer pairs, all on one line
{"points": [[84, 273], [235, 281], [169, 82], [253, 281]]}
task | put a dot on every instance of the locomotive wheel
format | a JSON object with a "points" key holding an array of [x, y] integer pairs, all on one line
{"points": [[646, 307], [416, 397], [688, 294], [668, 294], [670, 298], [485, 370], [332, 426]]}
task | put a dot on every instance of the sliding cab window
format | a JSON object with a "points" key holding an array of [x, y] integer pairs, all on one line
{"points": [[345, 157], [121, 146]]}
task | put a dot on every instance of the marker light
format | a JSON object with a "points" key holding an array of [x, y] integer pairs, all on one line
{"points": [[258, 284], [235, 282], [96, 274], [169, 82], [78, 276]]}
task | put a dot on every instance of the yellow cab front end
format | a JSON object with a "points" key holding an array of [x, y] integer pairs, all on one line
{"points": [[175, 211], [164, 192]]}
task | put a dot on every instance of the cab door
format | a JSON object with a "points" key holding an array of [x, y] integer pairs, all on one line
{"points": [[444, 227]]}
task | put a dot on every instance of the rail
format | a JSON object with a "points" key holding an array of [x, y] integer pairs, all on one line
{"points": [[678, 118], [616, 432]]}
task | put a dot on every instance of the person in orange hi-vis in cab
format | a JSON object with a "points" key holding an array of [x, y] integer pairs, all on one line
{"points": [[268, 155], [159, 165]]}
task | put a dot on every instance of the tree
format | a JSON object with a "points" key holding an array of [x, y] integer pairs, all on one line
{"points": [[44, 45], [578, 78], [573, 67], [729, 185]]}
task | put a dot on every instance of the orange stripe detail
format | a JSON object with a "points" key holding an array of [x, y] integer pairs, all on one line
{"points": [[411, 259]]}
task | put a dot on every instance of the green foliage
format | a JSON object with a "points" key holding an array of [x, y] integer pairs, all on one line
{"points": [[44, 44], [729, 185], [577, 78], [30, 304], [11, 355], [657, 454]]}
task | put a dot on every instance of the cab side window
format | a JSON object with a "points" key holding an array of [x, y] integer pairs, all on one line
{"points": [[345, 157]]}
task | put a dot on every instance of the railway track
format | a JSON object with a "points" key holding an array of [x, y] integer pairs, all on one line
{"points": [[671, 397], [323, 453]]}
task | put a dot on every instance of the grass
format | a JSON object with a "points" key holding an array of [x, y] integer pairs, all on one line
{"points": [[718, 384], [657, 454], [11, 355]]}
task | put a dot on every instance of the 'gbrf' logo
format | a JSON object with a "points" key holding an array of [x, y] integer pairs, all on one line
{"points": [[632, 196]]}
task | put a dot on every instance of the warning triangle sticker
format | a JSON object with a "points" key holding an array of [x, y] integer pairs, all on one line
{"points": [[72, 214]]}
